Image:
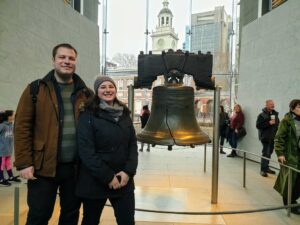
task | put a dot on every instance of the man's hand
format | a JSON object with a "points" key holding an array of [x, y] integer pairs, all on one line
{"points": [[27, 173], [272, 122], [281, 159]]}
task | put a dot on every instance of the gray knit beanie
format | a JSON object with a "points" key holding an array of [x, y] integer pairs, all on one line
{"points": [[100, 79]]}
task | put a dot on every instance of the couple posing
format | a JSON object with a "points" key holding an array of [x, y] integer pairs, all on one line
{"points": [[72, 141]]}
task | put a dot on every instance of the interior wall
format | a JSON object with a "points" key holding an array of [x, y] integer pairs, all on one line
{"points": [[269, 66], [28, 32]]}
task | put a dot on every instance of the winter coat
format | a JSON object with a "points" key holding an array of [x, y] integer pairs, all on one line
{"points": [[237, 121], [105, 148], [6, 139], [286, 144], [266, 132], [144, 118], [38, 127]]}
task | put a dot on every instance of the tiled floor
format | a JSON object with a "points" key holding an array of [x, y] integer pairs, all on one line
{"points": [[176, 181]]}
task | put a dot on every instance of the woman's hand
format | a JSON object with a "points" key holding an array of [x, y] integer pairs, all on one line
{"points": [[114, 184], [124, 178], [281, 159]]}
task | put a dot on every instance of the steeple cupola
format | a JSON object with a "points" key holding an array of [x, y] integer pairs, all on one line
{"points": [[165, 15], [164, 36]]}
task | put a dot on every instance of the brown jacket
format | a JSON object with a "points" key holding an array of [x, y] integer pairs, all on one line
{"points": [[37, 133]]}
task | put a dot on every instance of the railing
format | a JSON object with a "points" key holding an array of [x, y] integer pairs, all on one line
{"points": [[290, 169]]}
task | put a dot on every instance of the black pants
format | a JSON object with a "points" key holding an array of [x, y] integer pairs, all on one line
{"points": [[223, 134], [123, 209], [266, 152], [295, 192], [42, 193], [222, 139]]}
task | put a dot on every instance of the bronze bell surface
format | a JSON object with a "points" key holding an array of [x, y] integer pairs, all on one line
{"points": [[172, 120]]}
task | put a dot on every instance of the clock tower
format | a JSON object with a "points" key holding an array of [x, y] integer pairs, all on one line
{"points": [[164, 37]]}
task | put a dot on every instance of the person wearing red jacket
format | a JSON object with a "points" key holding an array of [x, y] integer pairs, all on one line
{"points": [[236, 122]]}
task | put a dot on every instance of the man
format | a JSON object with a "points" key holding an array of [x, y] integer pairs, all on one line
{"points": [[45, 144], [267, 124]]}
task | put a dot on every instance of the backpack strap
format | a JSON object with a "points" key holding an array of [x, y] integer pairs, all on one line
{"points": [[87, 92], [34, 90]]}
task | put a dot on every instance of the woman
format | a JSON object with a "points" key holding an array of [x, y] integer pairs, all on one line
{"points": [[224, 119], [144, 119], [236, 122], [287, 148], [6, 148], [107, 148]]}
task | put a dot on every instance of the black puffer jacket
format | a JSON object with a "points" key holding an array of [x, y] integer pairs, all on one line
{"points": [[105, 147], [266, 132]]}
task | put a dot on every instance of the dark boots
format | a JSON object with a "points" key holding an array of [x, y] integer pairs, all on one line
{"points": [[221, 150], [232, 154]]}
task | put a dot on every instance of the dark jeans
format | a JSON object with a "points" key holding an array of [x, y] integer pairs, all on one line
{"points": [[123, 209], [295, 192], [42, 193], [266, 152], [233, 139]]}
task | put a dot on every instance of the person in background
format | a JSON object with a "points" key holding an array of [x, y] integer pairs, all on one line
{"points": [[45, 139], [144, 119], [287, 149], [236, 122], [107, 149], [267, 125], [224, 122], [6, 148]]}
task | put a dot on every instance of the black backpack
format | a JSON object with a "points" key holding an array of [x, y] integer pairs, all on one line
{"points": [[34, 90]]}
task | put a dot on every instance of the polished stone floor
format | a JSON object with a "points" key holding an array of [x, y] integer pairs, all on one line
{"points": [[176, 181]]}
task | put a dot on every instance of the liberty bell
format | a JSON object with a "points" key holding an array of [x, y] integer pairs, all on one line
{"points": [[172, 120]]}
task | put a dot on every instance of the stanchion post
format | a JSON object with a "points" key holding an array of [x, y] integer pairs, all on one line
{"points": [[204, 169], [131, 100], [289, 199], [244, 170], [215, 152], [16, 205]]}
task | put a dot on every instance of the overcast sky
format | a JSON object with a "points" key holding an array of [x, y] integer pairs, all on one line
{"points": [[127, 21]]}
